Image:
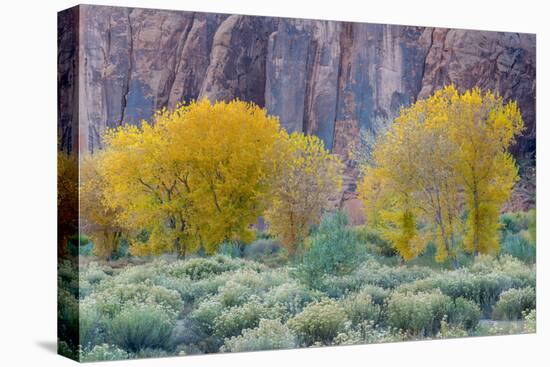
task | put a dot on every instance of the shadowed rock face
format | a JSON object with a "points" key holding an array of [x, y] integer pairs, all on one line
{"points": [[332, 79]]}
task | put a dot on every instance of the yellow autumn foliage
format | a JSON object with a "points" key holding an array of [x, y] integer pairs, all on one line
{"points": [[97, 219], [193, 178], [441, 156], [306, 178]]}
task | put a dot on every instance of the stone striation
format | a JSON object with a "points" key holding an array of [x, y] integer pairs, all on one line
{"points": [[328, 78]]}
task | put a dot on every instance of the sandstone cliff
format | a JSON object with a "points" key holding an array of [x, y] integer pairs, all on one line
{"points": [[328, 78]]}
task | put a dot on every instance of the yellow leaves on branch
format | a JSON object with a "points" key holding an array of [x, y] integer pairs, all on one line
{"points": [[443, 155]]}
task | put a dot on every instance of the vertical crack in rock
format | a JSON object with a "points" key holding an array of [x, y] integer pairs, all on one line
{"points": [[344, 48], [179, 56], [128, 80], [312, 62], [424, 65]]}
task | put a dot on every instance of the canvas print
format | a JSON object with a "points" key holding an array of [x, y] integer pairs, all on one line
{"points": [[231, 183]]}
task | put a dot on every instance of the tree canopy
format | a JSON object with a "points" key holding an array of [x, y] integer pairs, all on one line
{"points": [[443, 156]]}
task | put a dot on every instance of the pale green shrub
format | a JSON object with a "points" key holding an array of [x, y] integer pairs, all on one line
{"points": [[201, 268], [93, 273], [338, 286], [197, 334], [348, 337], [293, 296], [141, 326], [418, 314], [450, 331], [233, 294], [360, 307], [513, 302], [377, 294], [464, 313], [258, 281], [370, 272], [530, 324], [205, 314], [92, 325], [483, 288], [111, 301], [373, 333], [270, 334], [247, 316], [319, 322]]}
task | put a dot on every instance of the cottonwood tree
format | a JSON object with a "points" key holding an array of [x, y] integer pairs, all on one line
{"points": [[389, 190], [483, 127], [441, 155], [307, 177], [194, 178], [98, 220]]}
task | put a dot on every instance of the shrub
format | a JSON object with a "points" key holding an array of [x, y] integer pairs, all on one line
{"points": [[418, 314], [67, 277], [319, 322], [91, 325], [451, 331], [516, 222], [348, 337], [103, 352], [360, 307], [68, 318], [292, 296], [93, 274], [483, 288], [464, 313], [334, 249], [513, 302], [112, 300], [530, 325], [140, 273], [233, 293], [201, 268], [235, 319], [198, 330], [338, 286], [258, 281], [200, 289], [371, 333], [141, 326], [518, 235], [205, 314], [488, 289], [371, 272], [270, 334], [377, 294], [519, 245]]}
